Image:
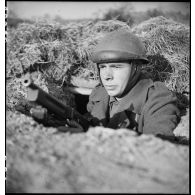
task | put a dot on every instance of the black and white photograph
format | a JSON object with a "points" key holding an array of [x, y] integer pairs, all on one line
{"points": [[98, 97]]}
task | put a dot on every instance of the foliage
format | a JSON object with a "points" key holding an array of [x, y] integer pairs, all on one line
{"points": [[126, 13], [154, 13]]}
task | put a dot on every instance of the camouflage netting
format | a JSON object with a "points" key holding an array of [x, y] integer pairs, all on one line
{"points": [[168, 46], [16, 93], [56, 53], [102, 160], [60, 50], [63, 50]]}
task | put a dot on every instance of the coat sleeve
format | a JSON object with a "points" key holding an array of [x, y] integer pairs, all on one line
{"points": [[161, 114]]}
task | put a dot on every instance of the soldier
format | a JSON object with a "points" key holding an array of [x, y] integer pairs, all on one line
{"points": [[126, 98]]}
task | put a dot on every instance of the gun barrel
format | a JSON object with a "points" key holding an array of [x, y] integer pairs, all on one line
{"points": [[36, 94]]}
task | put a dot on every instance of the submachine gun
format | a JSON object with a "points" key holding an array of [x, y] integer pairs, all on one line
{"points": [[64, 112]]}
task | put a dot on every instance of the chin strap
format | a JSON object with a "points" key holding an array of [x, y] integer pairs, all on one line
{"points": [[132, 79]]}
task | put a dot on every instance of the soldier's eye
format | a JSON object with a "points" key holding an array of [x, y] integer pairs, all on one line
{"points": [[101, 66], [116, 66]]}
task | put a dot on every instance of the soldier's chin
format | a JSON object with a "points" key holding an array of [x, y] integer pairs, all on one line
{"points": [[112, 93]]}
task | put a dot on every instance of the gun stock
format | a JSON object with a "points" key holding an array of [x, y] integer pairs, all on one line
{"points": [[36, 94]]}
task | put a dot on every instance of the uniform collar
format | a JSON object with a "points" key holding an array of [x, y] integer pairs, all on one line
{"points": [[112, 100], [134, 99], [130, 85]]}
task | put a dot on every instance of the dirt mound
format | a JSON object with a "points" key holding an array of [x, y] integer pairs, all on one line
{"points": [[102, 160]]}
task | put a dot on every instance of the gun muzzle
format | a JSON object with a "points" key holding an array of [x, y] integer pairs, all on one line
{"points": [[27, 81]]}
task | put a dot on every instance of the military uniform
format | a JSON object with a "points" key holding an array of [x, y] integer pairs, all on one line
{"points": [[149, 107], [145, 106]]}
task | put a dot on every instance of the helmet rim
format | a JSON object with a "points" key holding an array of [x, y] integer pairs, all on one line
{"points": [[107, 56]]}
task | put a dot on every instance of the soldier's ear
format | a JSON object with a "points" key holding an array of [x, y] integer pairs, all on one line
{"points": [[99, 75], [98, 66]]}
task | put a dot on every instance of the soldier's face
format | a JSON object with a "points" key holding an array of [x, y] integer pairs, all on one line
{"points": [[115, 77]]}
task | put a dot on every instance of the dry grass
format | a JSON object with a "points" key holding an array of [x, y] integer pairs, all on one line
{"points": [[60, 53], [171, 40], [66, 49]]}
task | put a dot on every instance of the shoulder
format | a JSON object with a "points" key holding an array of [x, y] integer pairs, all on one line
{"points": [[154, 93], [144, 82], [160, 97], [153, 88], [140, 90], [158, 89]]}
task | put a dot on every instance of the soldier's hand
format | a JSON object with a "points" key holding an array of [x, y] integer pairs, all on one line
{"points": [[71, 126], [43, 116], [39, 113]]}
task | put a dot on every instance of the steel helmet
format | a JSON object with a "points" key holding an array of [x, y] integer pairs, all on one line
{"points": [[119, 46]]}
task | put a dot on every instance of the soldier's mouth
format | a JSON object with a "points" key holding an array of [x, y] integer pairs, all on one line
{"points": [[110, 87]]}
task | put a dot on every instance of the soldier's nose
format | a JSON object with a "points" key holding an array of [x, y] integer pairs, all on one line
{"points": [[108, 74]]}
